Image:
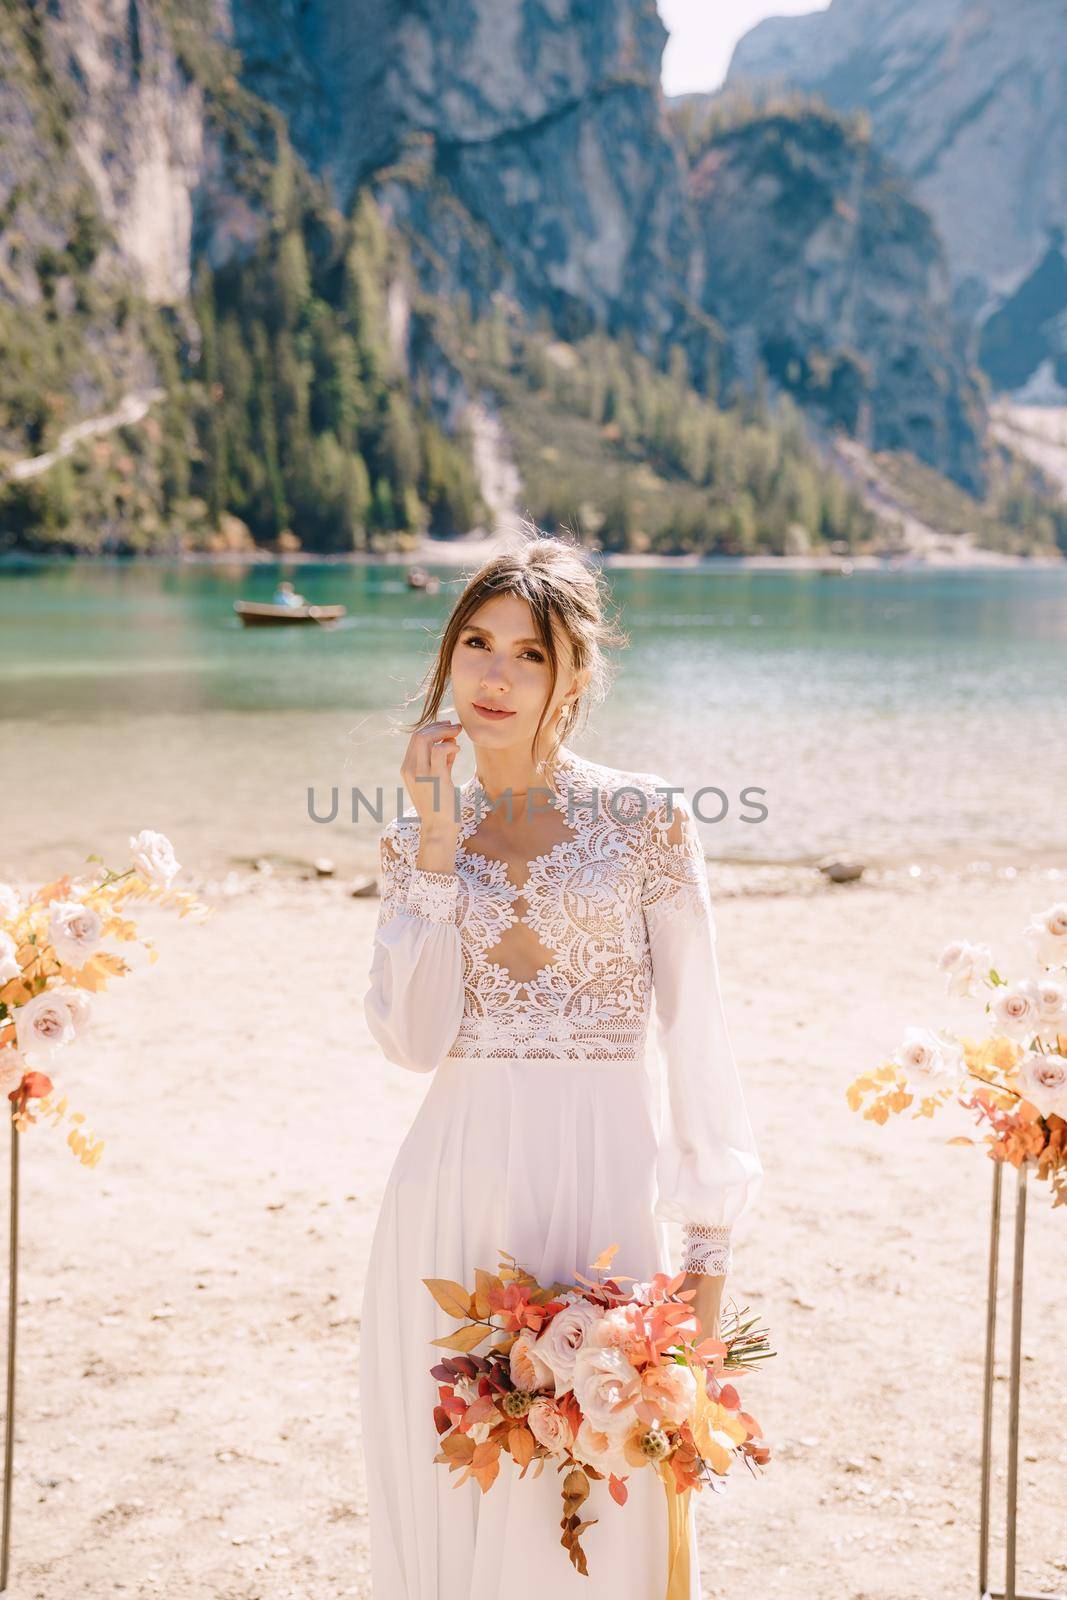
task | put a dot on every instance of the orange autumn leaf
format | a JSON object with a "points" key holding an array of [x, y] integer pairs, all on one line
{"points": [[464, 1339], [485, 1463], [59, 889], [605, 1258], [97, 970], [617, 1489], [450, 1296], [522, 1445], [456, 1449]]}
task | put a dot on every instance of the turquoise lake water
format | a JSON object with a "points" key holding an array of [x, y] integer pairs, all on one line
{"points": [[909, 716]]}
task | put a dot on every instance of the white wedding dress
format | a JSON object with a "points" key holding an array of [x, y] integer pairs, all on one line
{"points": [[542, 1133]]}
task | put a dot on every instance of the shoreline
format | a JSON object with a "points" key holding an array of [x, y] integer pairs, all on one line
{"points": [[473, 549], [274, 877]]}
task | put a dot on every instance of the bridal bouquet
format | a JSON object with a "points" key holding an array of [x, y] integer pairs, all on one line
{"points": [[54, 957], [600, 1380], [1014, 1079]]}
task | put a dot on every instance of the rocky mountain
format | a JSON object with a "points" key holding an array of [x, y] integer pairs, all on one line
{"points": [[968, 98], [534, 153], [179, 188], [1023, 344], [822, 268], [520, 146]]}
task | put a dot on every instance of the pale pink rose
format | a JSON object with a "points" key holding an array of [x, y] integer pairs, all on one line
{"points": [[12, 1069], [550, 1426], [10, 904], [601, 1450], [1042, 1079], [928, 1060], [606, 1387], [964, 964], [76, 931], [80, 1004], [529, 1370], [1051, 1000], [564, 1336], [1047, 932], [1014, 1009], [153, 855], [44, 1023], [618, 1328], [671, 1388], [9, 967]]}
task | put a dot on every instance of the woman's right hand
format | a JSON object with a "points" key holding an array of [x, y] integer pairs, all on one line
{"points": [[431, 753]]}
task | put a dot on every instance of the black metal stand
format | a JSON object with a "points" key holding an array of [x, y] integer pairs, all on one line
{"points": [[12, 1312], [1009, 1591]]}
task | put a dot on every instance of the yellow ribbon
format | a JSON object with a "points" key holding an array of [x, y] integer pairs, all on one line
{"points": [[677, 1535]]}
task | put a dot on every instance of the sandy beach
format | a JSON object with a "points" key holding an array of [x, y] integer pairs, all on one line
{"points": [[188, 1402]]}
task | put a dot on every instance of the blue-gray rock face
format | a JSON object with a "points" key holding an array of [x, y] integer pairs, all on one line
{"points": [[544, 121], [821, 267], [968, 98]]}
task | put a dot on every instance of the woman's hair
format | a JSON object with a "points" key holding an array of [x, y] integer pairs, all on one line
{"points": [[559, 583]]}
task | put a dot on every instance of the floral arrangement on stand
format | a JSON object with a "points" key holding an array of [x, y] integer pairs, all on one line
{"points": [[54, 957], [599, 1380], [1014, 1080]]}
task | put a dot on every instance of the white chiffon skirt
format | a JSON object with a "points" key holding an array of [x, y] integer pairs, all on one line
{"points": [[551, 1161]]}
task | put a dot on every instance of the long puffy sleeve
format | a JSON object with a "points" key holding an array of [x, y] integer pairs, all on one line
{"points": [[414, 1004], [708, 1170]]}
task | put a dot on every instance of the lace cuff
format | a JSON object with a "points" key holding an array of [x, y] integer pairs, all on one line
{"points": [[432, 895], [706, 1248]]}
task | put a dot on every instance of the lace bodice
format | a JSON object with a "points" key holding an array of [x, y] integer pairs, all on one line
{"points": [[616, 926]]}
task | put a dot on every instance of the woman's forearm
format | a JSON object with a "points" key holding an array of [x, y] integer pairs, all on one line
{"points": [[707, 1303]]}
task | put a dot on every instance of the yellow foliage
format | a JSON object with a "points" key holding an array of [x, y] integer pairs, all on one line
{"points": [[450, 1296], [464, 1339]]}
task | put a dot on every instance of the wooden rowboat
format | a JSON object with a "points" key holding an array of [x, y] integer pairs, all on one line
{"points": [[254, 614]]}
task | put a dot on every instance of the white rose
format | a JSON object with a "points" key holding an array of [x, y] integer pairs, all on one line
{"points": [[153, 855], [606, 1388], [550, 1426], [75, 930], [529, 1370], [1050, 998], [12, 1069], [601, 1450], [1042, 1078], [1014, 1009], [564, 1336], [1047, 932], [964, 964], [9, 967], [928, 1059], [44, 1023], [10, 904], [80, 1004]]}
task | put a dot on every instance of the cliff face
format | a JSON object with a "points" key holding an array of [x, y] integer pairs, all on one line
{"points": [[821, 267], [968, 98], [528, 148], [95, 109], [520, 145], [100, 112]]}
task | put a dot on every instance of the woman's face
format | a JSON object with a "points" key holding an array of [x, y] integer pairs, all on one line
{"points": [[499, 664]]}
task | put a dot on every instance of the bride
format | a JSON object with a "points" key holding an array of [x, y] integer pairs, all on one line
{"points": [[532, 921]]}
